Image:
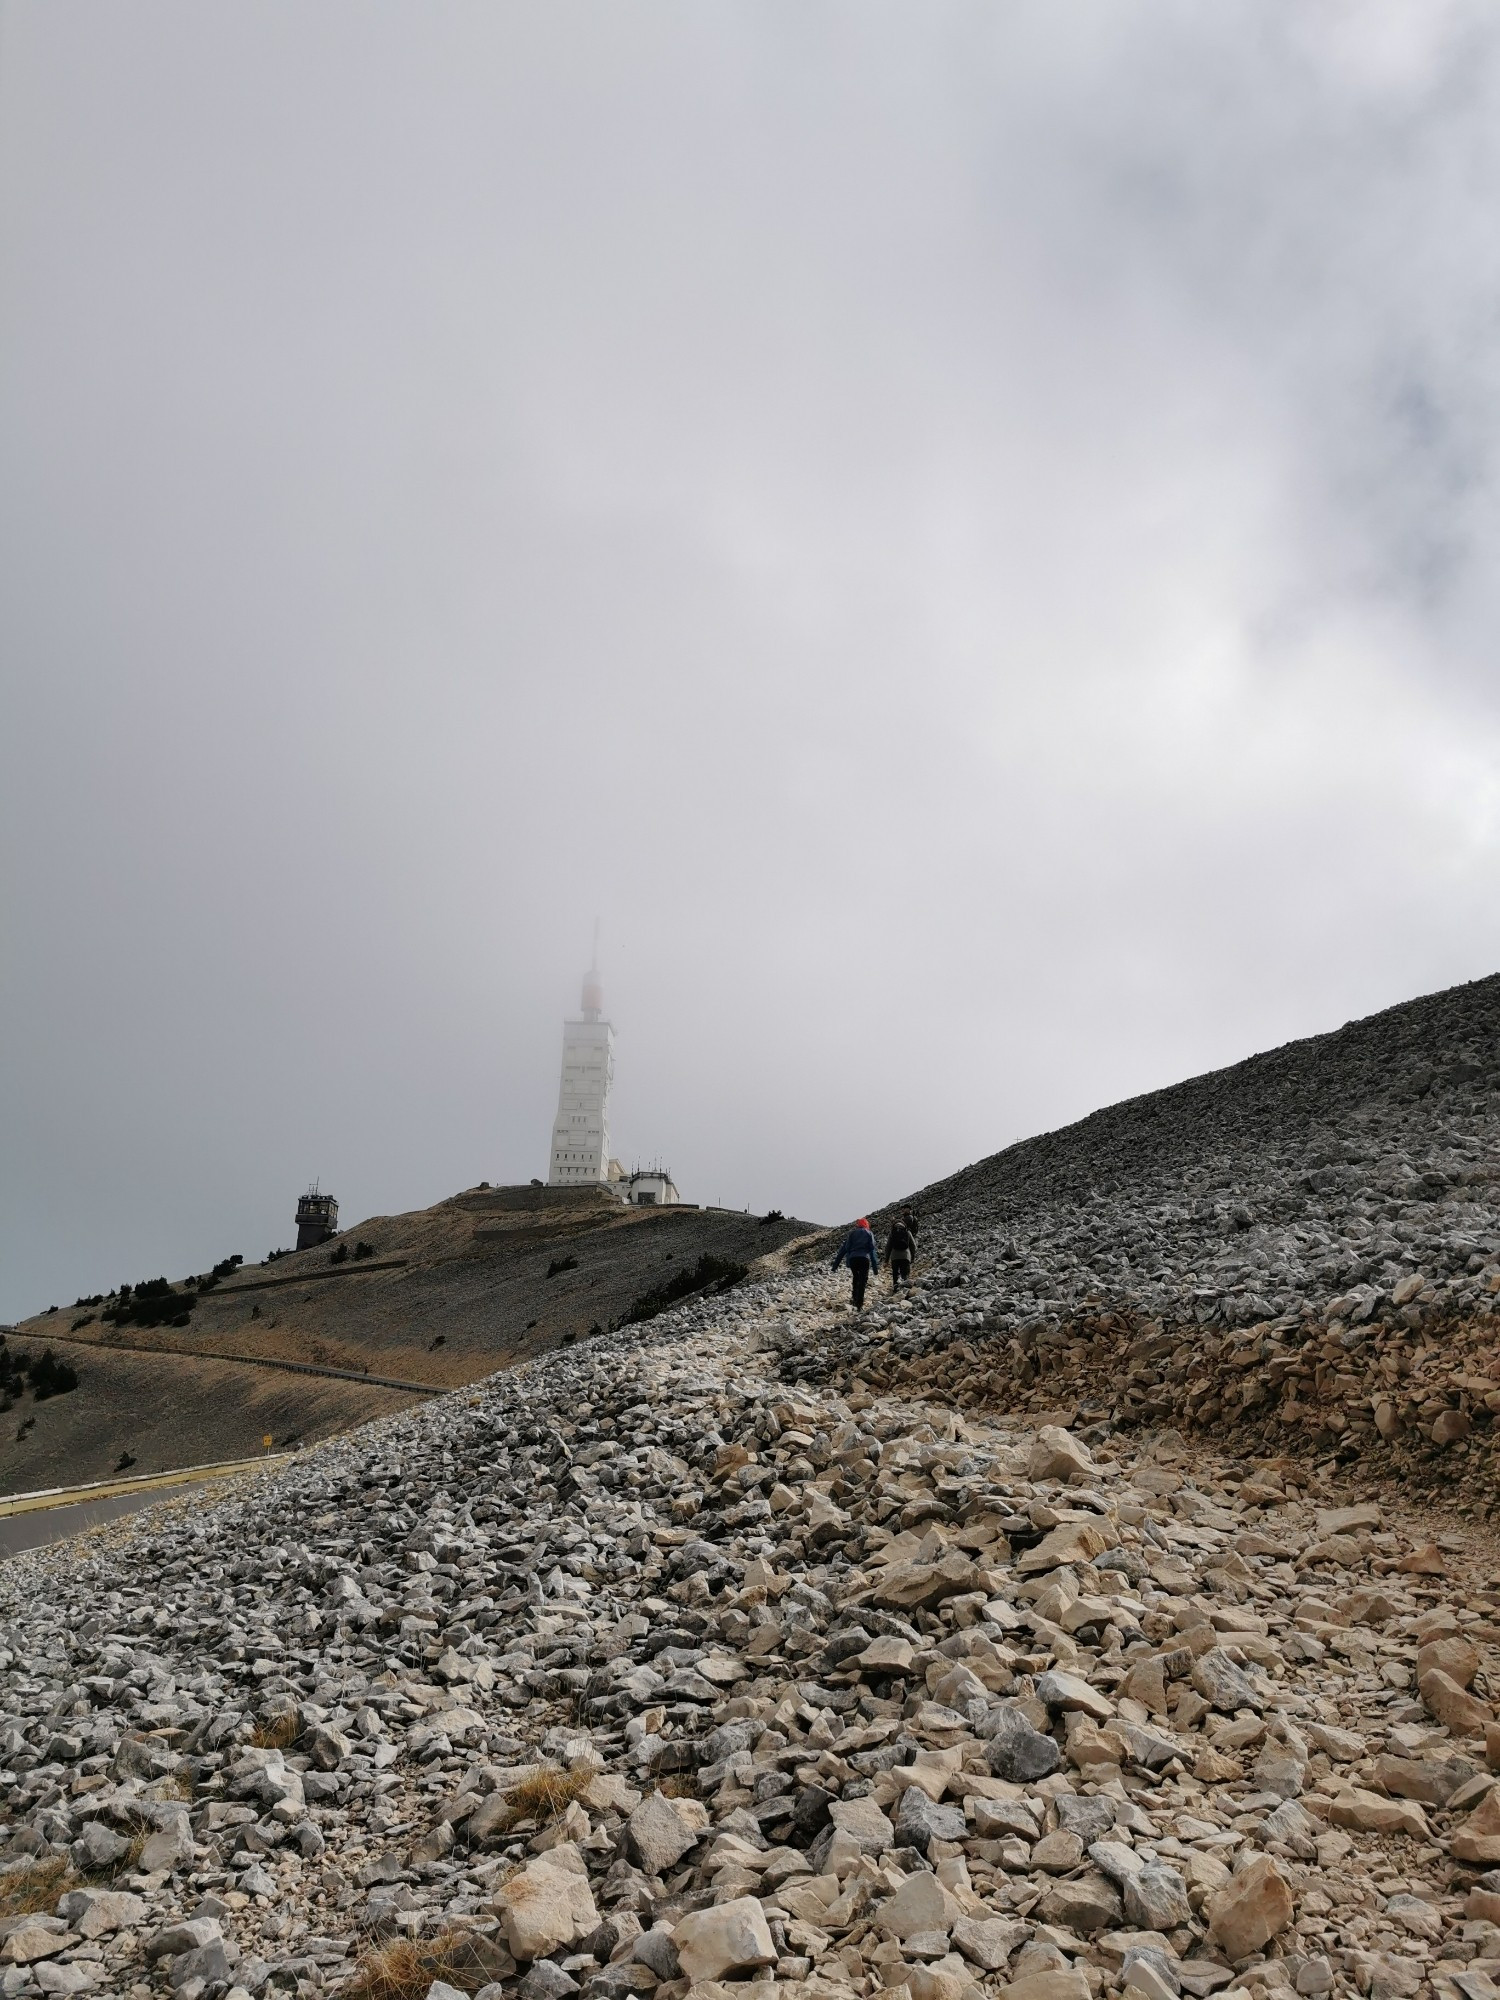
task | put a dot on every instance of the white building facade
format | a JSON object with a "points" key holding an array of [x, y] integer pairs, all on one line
{"points": [[580, 1137], [647, 1187]]}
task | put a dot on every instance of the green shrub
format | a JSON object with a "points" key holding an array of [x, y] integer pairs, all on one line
{"points": [[51, 1377], [152, 1303], [48, 1376]]}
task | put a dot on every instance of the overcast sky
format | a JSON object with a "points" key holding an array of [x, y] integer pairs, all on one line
{"points": [[965, 535]]}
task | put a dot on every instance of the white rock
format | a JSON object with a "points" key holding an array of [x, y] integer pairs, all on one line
{"points": [[36, 1937], [1057, 1454], [920, 1904], [97, 1912], [728, 1937], [547, 1905]]}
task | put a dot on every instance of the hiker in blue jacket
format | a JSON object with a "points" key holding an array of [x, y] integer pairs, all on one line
{"points": [[858, 1251]]}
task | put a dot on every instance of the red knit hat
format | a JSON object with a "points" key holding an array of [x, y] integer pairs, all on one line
{"points": [[863, 1222]]}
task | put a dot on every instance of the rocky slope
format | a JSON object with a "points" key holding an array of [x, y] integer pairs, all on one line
{"points": [[1334, 1167], [641, 1670], [439, 1296], [771, 1646], [1303, 1250]]}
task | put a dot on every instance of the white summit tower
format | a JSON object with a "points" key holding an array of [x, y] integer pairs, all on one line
{"points": [[580, 1138]]}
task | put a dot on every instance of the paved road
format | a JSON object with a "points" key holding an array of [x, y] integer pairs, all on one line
{"points": [[54, 1524], [255, 1361], [31, 1520]]}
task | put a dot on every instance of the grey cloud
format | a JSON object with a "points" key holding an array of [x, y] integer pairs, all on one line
{"points": [[960, 533]]}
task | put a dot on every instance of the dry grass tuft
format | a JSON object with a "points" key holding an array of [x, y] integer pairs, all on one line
{"points": [[33, 1891], [545, 1796], [404, 1968], [280, 1733], [394, 1971]]}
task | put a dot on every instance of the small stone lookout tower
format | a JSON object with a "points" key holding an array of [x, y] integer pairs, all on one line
{"points": [[317, 1218]]}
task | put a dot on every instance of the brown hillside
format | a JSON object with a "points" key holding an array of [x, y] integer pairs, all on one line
{"points": [[449, 1294]]}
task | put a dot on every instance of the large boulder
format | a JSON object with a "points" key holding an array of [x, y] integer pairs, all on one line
{"points": [[31, 1938], [175, 1939], [863, 1820], [1371, 1813], [1073, 1694], [1058, 1984], [1069, 1542], [548, 1904], [1082, 1903], [1223, 1684], [728, 1937], [1018, 1751], [888, 1653], [1465, 1714], [98, 1848], [1477, 1841], [326, 1747], [1427, 1779], [170, 1848], [264, 1775], [920, 1904], [139, 1756], [1453, 1655], [208, 1966], [918, 1586], [660, 1833], [97, 1912], [920, 1819], [1057, 1454], [1156, 1898], [988, 1941], [1253, 1906]]}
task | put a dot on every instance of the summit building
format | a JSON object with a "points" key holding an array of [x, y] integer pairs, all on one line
{"points": [[580, 1137]]}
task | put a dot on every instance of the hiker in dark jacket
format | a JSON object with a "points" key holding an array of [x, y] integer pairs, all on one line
{"points": [[858, 1251], [901, 1249]]}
